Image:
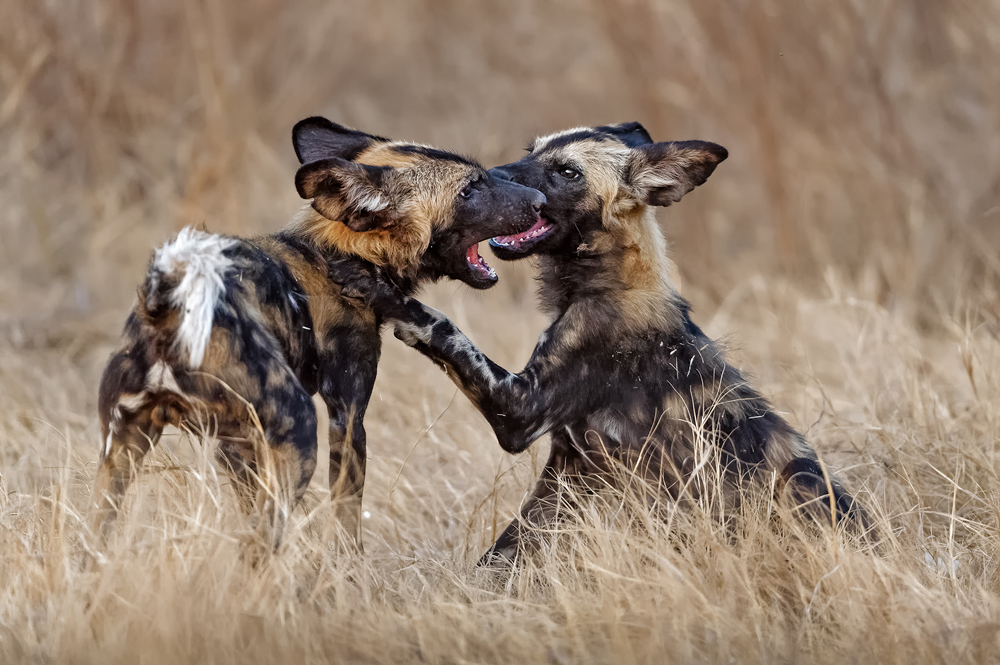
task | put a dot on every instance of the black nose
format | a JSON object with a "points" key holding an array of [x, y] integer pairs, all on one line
{"points": [[538, 202]]}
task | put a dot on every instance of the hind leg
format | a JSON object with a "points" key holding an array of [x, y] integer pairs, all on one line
{"points": [[805, 485], [131, 423], [265, 419], [125, 446], [521, 536], [240, 463], [540, 509], [286, 462]]}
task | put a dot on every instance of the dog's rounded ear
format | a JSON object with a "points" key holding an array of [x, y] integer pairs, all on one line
{"points": [[631, 134], [317, 138], [359, 195], [662, 173]]}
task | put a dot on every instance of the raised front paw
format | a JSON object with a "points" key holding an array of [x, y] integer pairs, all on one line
{"points": [[345, 271], [371, 287]]}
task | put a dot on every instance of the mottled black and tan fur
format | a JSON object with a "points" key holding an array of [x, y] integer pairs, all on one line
{"points": [[231, 337], [622, 375]]}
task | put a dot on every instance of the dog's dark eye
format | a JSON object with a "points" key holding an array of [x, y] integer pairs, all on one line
{"points": [[470, 189], [569, 173]]}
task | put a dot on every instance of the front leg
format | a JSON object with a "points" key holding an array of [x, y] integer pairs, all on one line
{"points": [[348, 376], [348, 464], [515, 405]]}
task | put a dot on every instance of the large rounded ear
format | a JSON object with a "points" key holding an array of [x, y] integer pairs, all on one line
{"points": [[662, 173], [631, 134], [317, 138], [359, 195]]}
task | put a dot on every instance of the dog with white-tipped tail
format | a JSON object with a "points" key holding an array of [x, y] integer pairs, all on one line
{"points": [[231, 337]]}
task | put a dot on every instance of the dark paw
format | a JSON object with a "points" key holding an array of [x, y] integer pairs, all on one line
{"points": [[354, 295], [373, 290]]}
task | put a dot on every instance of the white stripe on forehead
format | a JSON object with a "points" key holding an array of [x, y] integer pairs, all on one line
{"points": [[607, 154], [602, 162], [540, 141], [600, 137]]}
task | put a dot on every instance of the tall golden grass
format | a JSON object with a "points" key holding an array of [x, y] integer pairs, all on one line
{"points": [[847, 251]]}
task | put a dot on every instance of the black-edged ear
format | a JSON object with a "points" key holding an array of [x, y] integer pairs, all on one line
{"points": [[631, 134], [317, 138], [358, 195], [662, 173]]}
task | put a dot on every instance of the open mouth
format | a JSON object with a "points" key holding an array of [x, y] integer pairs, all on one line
{"points": [[479, 266], [525, 239]]}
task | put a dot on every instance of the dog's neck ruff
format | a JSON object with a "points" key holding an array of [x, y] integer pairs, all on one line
{"points": [[388, 248], [624, 269]]}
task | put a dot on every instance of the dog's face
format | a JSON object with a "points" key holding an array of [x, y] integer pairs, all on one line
{"points": [[593, 178], [404, 205]]}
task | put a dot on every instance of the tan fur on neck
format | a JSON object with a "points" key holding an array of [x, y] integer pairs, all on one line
{"points": [[647, 297], [400, 247]]}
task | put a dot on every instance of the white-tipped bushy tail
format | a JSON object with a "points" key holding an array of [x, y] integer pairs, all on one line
{"points": [[197, 259]]}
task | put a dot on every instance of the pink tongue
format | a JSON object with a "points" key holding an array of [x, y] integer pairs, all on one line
{"points": [[472, 254]]}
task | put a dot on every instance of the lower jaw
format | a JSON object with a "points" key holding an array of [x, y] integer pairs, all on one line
{"points": [[482, 276], [512, 252], [479, 282]]}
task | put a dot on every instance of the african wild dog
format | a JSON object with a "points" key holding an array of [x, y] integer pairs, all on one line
{"points": [[622, 374], [231, 337]]}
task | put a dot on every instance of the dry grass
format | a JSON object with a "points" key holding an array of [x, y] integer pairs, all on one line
{"points": [[848, 250]]}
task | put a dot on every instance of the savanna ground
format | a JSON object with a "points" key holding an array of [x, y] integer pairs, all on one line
{"points": [[847, 251]]}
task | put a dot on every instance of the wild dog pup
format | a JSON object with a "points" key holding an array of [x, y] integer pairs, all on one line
{"points": [[231, 337], [622, 374]]}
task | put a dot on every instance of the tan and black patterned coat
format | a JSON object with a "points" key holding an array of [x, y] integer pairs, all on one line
{"points": [[232, 336]]}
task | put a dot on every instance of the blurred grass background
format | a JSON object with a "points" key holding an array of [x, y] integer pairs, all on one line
{"points": [[848, 250], [863, 135]]}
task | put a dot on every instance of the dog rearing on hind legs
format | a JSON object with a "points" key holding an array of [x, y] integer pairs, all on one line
{"points": [[622, 375], [231, 337]]}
